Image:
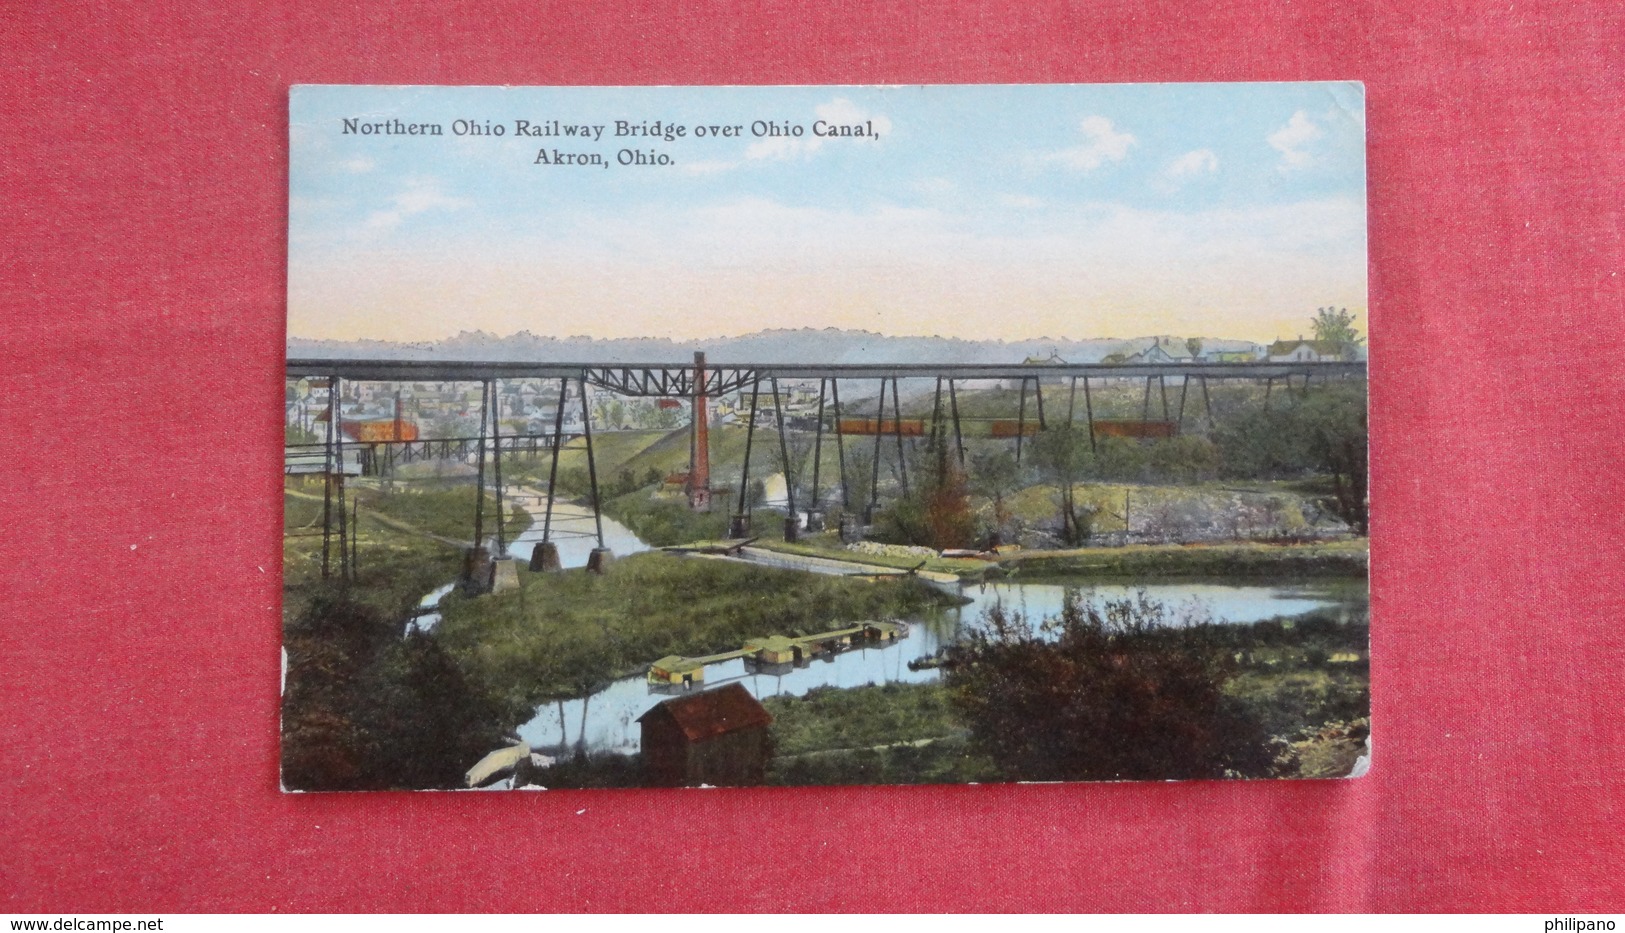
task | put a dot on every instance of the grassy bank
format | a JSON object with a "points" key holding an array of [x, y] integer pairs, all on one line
{"points": [[890, 734], [406, 543], [1294, 562], [1306, 681], [828, 544], [365, 707], [565, 634], [1329, 559]]}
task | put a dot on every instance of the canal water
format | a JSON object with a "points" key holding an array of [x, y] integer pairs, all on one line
{"points": [[573, 533], [606, 721]]}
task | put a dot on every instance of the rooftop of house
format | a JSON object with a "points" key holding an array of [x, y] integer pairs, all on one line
{"points": [[1322, 347], [712, 713]]}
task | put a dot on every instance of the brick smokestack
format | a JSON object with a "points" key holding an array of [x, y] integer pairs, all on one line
{"points": [[699, 439]]}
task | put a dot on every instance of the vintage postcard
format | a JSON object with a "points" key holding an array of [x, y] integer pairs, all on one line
{"points": [[644, 437]]}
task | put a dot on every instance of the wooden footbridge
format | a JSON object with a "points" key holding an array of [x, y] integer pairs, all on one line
{"points": [[675, 671]]}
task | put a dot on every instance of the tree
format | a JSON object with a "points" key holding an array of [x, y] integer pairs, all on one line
{"points": [[1339, 441], [366, 708], [1336, 326], [1324, 434], [936, 514], [994, 474], [1110, 690], [1194, 345], [1060, 454]]}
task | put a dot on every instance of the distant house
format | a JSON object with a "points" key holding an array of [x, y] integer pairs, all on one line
{"points": [[1054, 359], [718, 737], [1304, 351], [1156, 353]]}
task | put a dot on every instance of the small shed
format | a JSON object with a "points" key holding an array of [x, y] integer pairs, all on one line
{"points": [[718, 737]]}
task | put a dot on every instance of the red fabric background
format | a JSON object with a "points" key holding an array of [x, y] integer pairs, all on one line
{"points": [[144, 192]]}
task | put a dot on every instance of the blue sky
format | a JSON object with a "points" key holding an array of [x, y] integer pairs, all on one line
{"points": [[979, 211]]}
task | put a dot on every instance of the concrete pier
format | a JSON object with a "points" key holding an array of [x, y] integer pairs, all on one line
{"points": [[545, 558], [504, 576], [599, 560], [476, 571]]}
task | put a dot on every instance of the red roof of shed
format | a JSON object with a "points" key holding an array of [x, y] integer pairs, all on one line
{"points": [[714, 712]]}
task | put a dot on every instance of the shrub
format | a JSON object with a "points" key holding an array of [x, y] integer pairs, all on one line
{"points": [[1104, 692]]}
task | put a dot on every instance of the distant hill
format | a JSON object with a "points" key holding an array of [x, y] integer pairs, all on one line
{"points": [[829, 345]]}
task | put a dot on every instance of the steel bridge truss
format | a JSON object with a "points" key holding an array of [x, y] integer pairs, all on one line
{"points": [[699, 380], [677, 380]]}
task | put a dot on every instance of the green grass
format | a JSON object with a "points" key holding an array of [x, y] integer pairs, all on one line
{"points": [[828, 719], [1302, 679], [887, 734], [661, 522], [400, 554], [564, 634], [1283, 562], [613, 451], [828, 544], [947, 760]]}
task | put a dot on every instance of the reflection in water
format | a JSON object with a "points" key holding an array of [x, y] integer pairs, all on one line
{"points": [[608, 723]]}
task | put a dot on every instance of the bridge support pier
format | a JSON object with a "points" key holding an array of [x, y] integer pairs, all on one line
{"points": [[699, 443], [739, 525], [1021, 419], [897, 432], [599, 560], [840, 446], [592, 468], [545, 558], [818, 454], [504, 575], [792, 524], [873, 505], [1089, 412], [496, 470], [477, 571]]}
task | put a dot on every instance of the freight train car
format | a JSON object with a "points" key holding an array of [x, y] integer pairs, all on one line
{"points": [[908, 427], [380, 431], [1013, 427]]}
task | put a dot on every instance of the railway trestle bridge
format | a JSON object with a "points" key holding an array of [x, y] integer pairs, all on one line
{"points": [[699, 381]]}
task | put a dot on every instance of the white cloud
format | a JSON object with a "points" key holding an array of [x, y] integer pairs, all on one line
{"points": [[1020, 201], [420, 196], [1102, 143], [708, 167], [934, 186], [1087, 270], [1193, 163], [1293, 141], [782, 147], [359, 165]]}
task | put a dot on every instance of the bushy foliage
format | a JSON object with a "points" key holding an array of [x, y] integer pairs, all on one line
{"points": [[1103, 693], [368, 709], [1324, 432], [936, 515]]}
